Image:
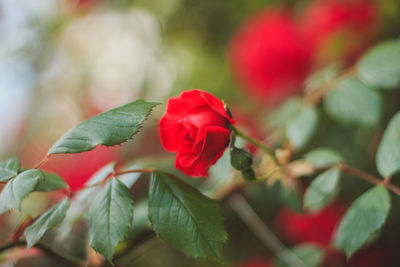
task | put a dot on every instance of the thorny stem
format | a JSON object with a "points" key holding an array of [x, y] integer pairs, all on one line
{"points": [[316, 96], [369, 178], [146, 170], [46, 249], [42, 162], [115, 174], [266, 236]]}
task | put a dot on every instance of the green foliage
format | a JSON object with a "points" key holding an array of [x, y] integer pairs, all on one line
{"points": [[301, 127], [241, 159], [321, 77], [388, 155], [380, 67], [308, 255], [353, 103], [323, 157], [45, 222], [322, 190], [285, 112], [186, 219], [110, 217], [8, 169], [140, 218], [248, 174], [110, 128], [50, 182], [364, 217], [18, 188], [290, 197]]}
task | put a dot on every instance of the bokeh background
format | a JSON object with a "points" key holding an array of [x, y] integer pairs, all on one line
{"points": [[63, 61]]}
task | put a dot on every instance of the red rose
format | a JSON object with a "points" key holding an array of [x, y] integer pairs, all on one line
{"points": [[317, 228], [269, 55], [340, 28], [196, 127]]}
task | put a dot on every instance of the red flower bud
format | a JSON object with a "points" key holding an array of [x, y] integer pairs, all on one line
{"points": [[196, 127]]}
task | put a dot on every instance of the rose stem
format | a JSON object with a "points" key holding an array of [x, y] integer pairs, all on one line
{"points": [[254, 142], [42, 162], [369, 178], [240, 205], [46, 249]]}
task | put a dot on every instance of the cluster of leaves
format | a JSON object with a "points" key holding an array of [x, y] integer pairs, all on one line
{"points": [[352, 99], [190, 221], [179, 213]]}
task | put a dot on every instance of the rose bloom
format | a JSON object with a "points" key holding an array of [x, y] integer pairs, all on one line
{"points": [[340, 28], [319, 228], [196, 127], [269, 55]]}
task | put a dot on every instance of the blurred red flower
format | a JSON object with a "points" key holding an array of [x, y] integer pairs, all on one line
{"points": [[76, 169], [340, 28], [270, 56], [82, 5], [256, 262], [317, 228]]}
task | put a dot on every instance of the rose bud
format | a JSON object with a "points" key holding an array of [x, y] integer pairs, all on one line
{"points": [[196, 127], [269, 56]]}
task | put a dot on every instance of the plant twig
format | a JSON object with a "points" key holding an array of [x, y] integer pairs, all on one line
{"points": [[147, 170], [316, 96], [46, 249], [266, 236], [255, 142], [369, 178], [42, 162]]}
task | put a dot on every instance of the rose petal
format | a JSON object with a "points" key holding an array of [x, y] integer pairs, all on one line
{"points": [[172, 135], [215, 104], [209, 147]]}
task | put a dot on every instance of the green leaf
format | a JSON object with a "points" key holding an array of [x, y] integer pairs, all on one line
{"points": [[8, 169], [110, 217], [321, 77], [322, 190], [18, 188], [241, 159], [248, 174], [308, 255], [323, 157], [388, 155], [285, 112], [353, 103], [45, 222], [140, 218], [290, 197], [380, 67], [50, 182], [186, 219], [365, 216], [302, 126], [110, 128]]}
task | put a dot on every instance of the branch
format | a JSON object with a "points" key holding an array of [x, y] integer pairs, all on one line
{"points": [[42, 162], [369, 178], [44, 248], [266, 236], [316, 96]]}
